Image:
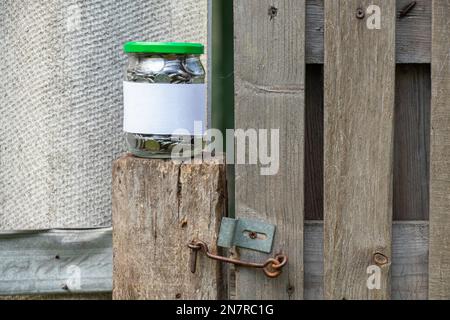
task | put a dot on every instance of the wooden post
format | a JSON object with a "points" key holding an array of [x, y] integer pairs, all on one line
{"points": [[359, 110], [158, 208], [270, 94], [440, 155]]}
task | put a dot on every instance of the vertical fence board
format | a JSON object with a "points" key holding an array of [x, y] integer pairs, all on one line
{"points": [[270, 76], [412, 142], [314, 143], [359, 108], [439, 280]]}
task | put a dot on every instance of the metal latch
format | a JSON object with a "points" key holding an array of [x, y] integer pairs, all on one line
{"points": [[246, 234]]}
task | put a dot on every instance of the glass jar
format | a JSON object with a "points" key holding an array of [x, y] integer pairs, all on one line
{"points": [[164, 99]]}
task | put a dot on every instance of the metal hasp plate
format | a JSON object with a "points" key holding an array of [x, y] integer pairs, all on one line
{"points": [[246, 234]]}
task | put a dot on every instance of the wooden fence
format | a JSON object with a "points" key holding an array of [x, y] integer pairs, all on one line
{"points": [[364, 119]]}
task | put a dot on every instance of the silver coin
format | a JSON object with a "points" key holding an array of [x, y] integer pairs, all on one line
{"points": [[151, 65], [194, 66]]}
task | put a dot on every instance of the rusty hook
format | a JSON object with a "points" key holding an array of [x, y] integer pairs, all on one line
{"points": [[272, 268]]}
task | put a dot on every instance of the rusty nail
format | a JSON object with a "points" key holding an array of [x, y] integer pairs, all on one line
{"points": [[360, 13], [380, 259], [193, 260], [253, 235], [404, 12]]}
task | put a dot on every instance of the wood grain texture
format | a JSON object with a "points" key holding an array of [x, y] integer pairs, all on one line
{"points": [[314, 31], [314, 143], [409, 276], [359, 111], [413, 35], [411, 147], [269, 82], [440, 154], [158, 208], [412, 142]]}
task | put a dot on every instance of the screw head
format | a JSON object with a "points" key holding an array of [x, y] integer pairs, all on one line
{"points": [[273, 12], [360, 14], [253, 235]]}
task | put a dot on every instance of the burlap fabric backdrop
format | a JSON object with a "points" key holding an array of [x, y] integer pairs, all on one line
{"points": [[61, 71]]}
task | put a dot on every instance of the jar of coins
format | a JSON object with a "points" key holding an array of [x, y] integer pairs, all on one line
{"points": [[164, 99]]}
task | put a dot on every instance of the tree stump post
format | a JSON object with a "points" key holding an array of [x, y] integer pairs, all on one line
{"points": [[158, 208]]}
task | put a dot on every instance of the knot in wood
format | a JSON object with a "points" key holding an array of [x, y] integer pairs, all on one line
{"points": [[380, 259]]}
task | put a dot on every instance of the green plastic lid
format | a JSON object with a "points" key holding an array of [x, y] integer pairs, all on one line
{"points": [[164, 47]]}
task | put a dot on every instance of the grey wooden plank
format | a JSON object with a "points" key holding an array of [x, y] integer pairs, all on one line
{"points": [[269, 82], [412, 142], [411, 146], [409, 276], [413, 36], [158, 208], [313, 249], [314, 143], [409, 261], [55, 262], [440, 154], [359, 111], [314, 31]]}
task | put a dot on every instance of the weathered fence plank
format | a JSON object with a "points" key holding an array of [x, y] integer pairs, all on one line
{"points": [[158, 208], [314, 143], [413, 32], [412, 142], [440, 154], [314, 31], [270, 80], [409, 261], [413, 35], [411, 147], [359, 110]]}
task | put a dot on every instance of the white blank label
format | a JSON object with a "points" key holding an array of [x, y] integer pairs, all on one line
{"points": [[163, 108]]}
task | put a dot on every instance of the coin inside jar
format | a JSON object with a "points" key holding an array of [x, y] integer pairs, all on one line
{"points": [[193, 65], [151, 65]]}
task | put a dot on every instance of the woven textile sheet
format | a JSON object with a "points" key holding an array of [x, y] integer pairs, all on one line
{"points": [[61, 71]]}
